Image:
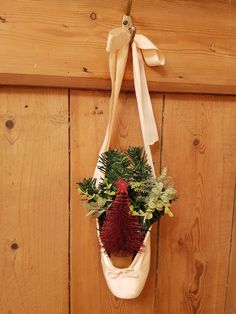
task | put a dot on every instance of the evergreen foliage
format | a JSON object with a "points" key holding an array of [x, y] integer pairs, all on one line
{"points": [[131, 165], [150, 198]]}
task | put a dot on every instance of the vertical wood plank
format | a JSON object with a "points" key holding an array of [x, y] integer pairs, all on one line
{"points": [[89, 113], [33, 201], [198, 133], [231, 288]]}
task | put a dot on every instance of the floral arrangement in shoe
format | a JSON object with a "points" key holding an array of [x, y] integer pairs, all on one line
{"points": [[128, 200]]}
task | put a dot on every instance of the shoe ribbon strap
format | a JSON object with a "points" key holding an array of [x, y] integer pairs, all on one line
{"points": [[143, 49]]}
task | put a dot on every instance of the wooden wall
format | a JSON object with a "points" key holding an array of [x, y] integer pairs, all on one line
{"points": [[49, 259], [56, 44], [34, 192]]}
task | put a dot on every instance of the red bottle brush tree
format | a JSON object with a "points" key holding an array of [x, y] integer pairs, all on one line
{"points": [[121, 233]]}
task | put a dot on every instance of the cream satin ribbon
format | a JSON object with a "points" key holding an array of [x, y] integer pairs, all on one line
{"points": [[142, 49]]}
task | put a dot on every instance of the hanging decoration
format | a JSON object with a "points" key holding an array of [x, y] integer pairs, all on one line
{"points": [[124, 195]]}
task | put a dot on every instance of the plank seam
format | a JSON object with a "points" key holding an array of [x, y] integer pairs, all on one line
{"points": [[230, 249], [69, 204], [158, 224]]}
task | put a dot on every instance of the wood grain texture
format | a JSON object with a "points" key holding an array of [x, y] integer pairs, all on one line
{"points": [[33, 201], [198, 137], [231, 289], [89, 113], [61, 44]]}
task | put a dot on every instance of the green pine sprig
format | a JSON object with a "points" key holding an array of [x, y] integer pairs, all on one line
{"points": [[150, 197]]}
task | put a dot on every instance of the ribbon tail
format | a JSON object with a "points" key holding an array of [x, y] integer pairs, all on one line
{"points": [[112, 68], [117, 65], [152, 133], [143, 97], [122, 56], [147, 120]]}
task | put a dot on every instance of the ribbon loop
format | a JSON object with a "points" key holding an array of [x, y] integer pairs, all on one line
{"points": [[151, 54]]}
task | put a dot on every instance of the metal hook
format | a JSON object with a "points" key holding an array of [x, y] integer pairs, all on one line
{"points": [[129, 5], [127, 21]]}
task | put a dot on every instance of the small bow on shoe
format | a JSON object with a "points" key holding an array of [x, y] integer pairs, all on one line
{"points": [[129, 272]]}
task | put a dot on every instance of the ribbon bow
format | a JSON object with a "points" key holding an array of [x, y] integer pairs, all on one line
{"points": [[143, 49], [129, 272]]}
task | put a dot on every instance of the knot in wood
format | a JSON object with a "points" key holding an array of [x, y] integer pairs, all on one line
{"points": [[9, 124], [14, 246]]}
